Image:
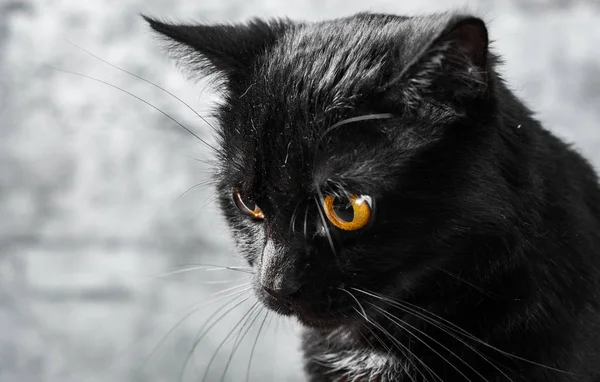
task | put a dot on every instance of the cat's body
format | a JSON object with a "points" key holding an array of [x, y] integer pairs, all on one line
{"points": [[478, 254]]}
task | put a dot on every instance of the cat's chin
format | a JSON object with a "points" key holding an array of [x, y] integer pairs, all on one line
{"points": [[306, 316], [322, 323], [310, 319]]}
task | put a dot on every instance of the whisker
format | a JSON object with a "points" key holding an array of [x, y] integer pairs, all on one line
{"points": [[216, 352], [254, 346], [444, 329], [389, 349], [247, 90], [138, 98], [355, 299], [344, 122], [458, 278], [355, 119], [388, 334], [452, 329], [212, 282], [293, 218], [410, 352], [211, 199], [207, 268], [400, 345], [234, 290], [364, 314], [202, 332], [183, 319], [143, 79], [305, 220], [240, 338], [401, 323], [201, 184], [207, 162], [325, 225], [267, 326]]}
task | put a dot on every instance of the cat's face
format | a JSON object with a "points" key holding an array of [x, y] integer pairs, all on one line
{"points": [[335, 141]]}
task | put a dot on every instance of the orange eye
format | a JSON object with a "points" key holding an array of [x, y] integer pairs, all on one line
{"points": [[348, 214], [247, 207]]}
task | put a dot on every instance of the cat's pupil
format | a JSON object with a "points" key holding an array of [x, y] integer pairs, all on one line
{"points": [[343, 209]]}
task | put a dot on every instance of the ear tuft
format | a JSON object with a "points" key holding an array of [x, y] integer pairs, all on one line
{"points": [[471, 39], [229, 49], [451, 67]]}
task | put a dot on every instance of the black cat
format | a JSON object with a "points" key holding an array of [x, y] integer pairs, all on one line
{"points": [[394, 196]]}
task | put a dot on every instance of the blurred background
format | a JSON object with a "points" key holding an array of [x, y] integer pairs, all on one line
{"points": [[104, 202]]}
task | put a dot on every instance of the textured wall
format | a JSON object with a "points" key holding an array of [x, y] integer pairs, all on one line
{"points": [[92, 216]]}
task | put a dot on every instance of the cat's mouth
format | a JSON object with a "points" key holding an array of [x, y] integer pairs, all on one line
{"points": [[323, 323], [328, 315]]}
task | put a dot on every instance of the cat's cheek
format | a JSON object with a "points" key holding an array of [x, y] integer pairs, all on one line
{"points": [[249, 238]]}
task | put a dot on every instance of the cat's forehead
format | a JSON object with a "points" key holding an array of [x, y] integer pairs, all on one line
{"points": [[288, 157], [329, 63], [314, 77]]}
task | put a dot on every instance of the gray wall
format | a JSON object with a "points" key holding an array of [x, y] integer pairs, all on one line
{"points": [[91, 212]]}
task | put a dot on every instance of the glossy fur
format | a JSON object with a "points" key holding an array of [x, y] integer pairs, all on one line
{"points": [[482, 258]]}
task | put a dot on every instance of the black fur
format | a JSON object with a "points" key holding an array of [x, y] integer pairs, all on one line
{"points": [[482, 258]]}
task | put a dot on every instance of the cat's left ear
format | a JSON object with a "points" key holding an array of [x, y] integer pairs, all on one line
{"points": [[453, 64], [229, 50]]}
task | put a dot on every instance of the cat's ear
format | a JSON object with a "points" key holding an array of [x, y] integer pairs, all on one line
{"points": [[453, 64], [229, 50]]}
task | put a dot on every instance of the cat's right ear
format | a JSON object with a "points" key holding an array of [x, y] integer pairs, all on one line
{"points": [[452, 64], [229, 50]]}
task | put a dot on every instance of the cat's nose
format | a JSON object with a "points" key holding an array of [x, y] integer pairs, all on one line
{"points": [[280, 288], [279, 274]]}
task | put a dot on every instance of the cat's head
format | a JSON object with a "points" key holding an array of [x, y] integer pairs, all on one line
{"points": [[345, 149]]}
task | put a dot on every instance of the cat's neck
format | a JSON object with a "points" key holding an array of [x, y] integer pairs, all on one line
{"points": [[355, 354]]}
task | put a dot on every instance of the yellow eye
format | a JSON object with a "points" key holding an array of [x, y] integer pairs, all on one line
{"points": [[247, 207], [348, 214]]}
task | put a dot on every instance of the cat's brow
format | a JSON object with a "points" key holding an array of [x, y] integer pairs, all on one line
{"points": [[355, 119]]}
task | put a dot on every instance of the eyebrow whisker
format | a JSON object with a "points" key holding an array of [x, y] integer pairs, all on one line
{"points": [[138, 98], [143, 79]]}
